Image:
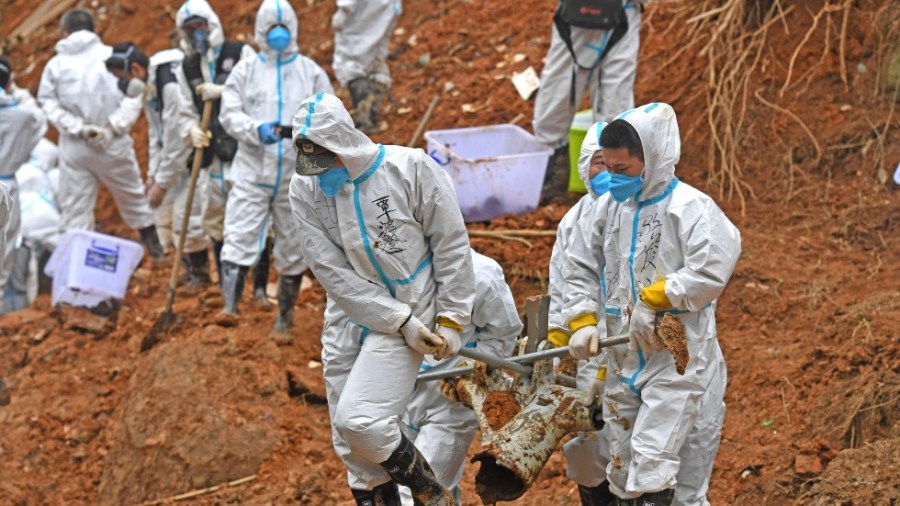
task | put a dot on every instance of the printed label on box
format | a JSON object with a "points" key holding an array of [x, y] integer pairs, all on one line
{"points": [[104, 260]]}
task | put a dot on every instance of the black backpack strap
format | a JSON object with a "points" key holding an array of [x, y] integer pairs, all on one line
{"points": [[164, 76], [191, 68], [228, 58]]}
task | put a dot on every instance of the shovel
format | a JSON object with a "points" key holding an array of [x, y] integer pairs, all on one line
{"points": [[167, 318]]}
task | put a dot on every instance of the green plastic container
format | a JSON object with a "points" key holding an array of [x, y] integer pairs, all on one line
{"points": [[580, 125]]}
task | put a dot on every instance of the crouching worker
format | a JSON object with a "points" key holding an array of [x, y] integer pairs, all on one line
{"points": [[381, 229], [441, 427]]}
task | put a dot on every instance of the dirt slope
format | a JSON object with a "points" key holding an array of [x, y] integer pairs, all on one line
{"points": [[807, 325]]}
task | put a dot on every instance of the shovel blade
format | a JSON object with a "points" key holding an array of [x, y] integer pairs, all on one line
{"points": [[158, 331]]}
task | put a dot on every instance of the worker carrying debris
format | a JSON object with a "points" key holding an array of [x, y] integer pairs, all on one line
{"points": [[22, 126], [667, 249], [259, 99], [94, 117], [382, 231], [440, 426], [362, 36]]}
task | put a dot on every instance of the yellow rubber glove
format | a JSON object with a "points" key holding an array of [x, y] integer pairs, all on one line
{"points": [[443, 321], [558, 337], [584, 320], [654, 296]]}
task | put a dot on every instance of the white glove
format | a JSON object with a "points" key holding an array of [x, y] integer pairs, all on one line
{"points": [[642, 330], [580, 342], [592, 396], [199, 137], [339, 19], [420, 338], [97, 137], [451, 342], [210, 91]]}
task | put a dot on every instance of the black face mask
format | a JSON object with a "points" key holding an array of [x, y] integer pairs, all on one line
{"points": [[313, 159]]}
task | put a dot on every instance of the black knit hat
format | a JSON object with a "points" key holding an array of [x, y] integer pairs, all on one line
{"points": [[5, 71]]}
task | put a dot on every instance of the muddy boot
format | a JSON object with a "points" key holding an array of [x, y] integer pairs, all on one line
{"points": [[556, 180], [217, 256], [288, 288], [196, 264], [596, 496], [363, 104], [233, 277], [661, 498], [383, 495], [379, 101], [409, 468], [261, 278], [151, 242]]}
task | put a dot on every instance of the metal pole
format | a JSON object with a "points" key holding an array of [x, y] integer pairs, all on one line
{"points": [[517, 360], [495, 362]]}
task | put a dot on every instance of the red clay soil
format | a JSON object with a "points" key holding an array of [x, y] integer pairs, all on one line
{"points": [[499, 408], [808, 324]]}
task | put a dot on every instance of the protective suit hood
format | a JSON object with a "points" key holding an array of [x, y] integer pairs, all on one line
{"points": [[77, 42], [323, 119], [271, 13], [589, 146], [657, 127], [166, 56], [204, 10]]}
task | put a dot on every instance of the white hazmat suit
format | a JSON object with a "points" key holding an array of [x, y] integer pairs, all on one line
{"points": [[76, 91], [391, 243], [610, 79], [443, 429], [168, 153], [219, 171], [362, 38], [663, 427], [267, 88], [22, 126]]}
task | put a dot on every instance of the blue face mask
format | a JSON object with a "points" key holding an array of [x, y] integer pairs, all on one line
{"points": [[623, 187], [278, 38], [200, 40], [600, 183], [333, 179]]}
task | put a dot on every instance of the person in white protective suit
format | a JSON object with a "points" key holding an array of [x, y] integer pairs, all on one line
{"points": [[441, 427], [5, 208], [153, 80], [588, 453], [22, 126], [362, 35], [382, 232], [209, 59], [37, 181], [93, 116], [600, 61], [260, 98], [667, 248]]}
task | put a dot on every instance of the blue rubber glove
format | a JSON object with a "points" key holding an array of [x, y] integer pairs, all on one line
{"points": [[266, 132]]}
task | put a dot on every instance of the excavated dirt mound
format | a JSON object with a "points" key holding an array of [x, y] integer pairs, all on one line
{"points": [[808, 323]]}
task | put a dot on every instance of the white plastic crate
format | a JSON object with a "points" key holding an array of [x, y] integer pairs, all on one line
{"points": [[496, 169], [88, 267]]}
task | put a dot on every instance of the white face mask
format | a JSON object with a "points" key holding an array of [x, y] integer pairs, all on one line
{"points": [[135, 87]]}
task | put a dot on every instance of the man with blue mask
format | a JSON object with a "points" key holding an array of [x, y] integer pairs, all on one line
{"points": [[362, 35], [22, 126], [665, 248], [209, 59], [259, 98], [385, 237]]}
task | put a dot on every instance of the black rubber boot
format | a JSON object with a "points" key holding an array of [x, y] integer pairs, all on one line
{"points": [[288, 289], [379, 99], [217, 256], [196, 264], [151, 242], [363, 104], [233, 277], [556, 180], [261, 278], [409, 468], [383, 495], [661, 498], [596, 496]]}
